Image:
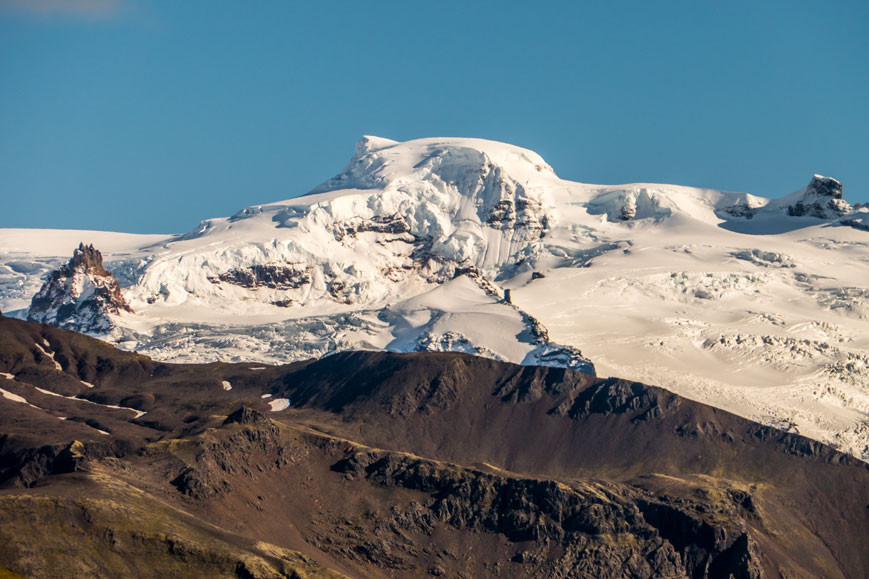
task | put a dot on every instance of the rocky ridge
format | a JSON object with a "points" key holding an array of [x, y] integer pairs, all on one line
{"points": [[386, 465]]}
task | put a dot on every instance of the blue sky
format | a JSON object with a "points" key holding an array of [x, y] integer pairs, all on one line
{"points": [[141, 116]]}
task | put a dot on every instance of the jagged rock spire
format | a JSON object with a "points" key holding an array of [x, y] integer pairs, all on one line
{"points": [[87, 258], [80, 296]]}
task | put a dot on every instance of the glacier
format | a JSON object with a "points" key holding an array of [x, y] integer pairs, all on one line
{"points": [[754, 304]]}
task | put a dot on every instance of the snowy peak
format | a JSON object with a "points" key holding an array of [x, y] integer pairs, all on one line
{"points": [[821, 186], [370, 143], [398, 214], [463, 166], [383, 161], [821, 198], [449, 190], [80, 296], [401, 216]]}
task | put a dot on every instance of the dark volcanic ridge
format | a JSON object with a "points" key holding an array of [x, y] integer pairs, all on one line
{"points": [[396, 465]]}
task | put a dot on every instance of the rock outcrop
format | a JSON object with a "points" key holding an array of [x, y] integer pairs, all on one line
{"points": [[80, 296], [557, 529], [822, 198], [393, 465]]}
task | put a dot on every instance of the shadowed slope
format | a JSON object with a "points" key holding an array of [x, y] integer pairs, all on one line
{"points": [[405, 464]]}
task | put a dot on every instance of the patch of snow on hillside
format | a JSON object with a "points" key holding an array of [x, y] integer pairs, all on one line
{"points": [[279, 404]]}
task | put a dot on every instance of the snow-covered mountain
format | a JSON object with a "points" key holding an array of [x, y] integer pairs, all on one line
{"points": [[757, 305], [81, 296]]}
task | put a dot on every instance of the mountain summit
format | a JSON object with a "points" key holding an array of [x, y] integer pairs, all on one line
{"points": [[821, 198], [80, 296]]}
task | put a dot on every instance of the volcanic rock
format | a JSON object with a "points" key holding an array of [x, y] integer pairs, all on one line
{"points": [[822, 198], [80, 296]]}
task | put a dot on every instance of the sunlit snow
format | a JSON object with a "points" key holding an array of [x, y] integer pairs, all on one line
{"points": [[732, 299], [279, 404]]}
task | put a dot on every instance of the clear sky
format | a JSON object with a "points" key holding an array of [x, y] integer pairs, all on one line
{"points": [[141, 116]]}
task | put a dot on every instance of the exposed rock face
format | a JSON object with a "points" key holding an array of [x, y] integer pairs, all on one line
{"points": [[291, 276], [745, 206], [825, 187], [629, 209], [739, 210], [822, 199], [565, 528], [860, 222], [81, 296], [515, 210], [394, 465], [391, 224]]}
